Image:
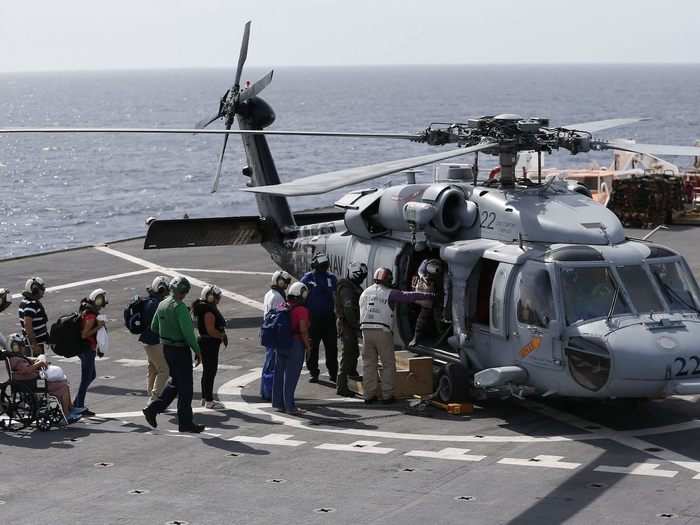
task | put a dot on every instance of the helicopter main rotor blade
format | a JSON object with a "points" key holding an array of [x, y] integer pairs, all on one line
{"points": [[221, 163], [244, 53], [256, 88], [651, 149], [205, 122], [325, 182], [600, 125], [190, 131]]}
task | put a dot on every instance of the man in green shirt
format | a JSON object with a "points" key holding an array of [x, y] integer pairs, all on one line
{"points": [[173, 324]]}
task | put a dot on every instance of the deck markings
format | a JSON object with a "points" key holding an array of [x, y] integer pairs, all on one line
{"points": [[367, 447], [623, 438], [231, 272], [451, 453], [638, 469], [282, 440], [169, 271], [541, 461], [92, 281]]}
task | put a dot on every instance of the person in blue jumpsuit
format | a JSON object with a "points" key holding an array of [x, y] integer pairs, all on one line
{"points": [[322, 286]]}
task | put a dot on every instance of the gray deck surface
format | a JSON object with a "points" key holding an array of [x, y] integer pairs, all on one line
{"points": [[509, 463]]}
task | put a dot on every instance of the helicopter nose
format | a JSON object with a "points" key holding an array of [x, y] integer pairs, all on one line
{"points": [[658, 359]]}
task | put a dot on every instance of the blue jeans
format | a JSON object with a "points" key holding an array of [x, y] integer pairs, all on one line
{"points": [[288, 367], [268, 373], [87, 376]]}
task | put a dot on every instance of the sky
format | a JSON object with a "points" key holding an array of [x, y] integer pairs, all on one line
{"points": [[50, 35]]}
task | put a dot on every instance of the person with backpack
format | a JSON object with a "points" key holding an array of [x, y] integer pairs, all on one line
{"points": [[321, 304], [90, 324], [158, 372], [32, 315], [290, 361], [274, 299], [347, 308], [211, 326], [172, 322]]}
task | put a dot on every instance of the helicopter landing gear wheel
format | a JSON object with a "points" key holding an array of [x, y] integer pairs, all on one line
{"points": [[452, 384]]}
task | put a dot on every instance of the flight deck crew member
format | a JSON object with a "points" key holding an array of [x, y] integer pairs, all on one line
{"points": [[347, 309], [321, 304], [428, 280], [32, 315], [158, 373], [377, 323], [274, 299], [173, 324], [90, 324], [290, 361], [211, 326], [5, 302]]}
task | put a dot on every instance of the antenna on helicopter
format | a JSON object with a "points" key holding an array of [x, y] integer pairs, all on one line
{"points": [[230, 102]]}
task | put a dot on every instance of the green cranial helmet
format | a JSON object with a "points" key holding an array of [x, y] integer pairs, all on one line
{"points": [[180, 284]]}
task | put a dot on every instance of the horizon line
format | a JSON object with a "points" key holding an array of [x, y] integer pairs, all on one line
{"points": [[336, 66]]}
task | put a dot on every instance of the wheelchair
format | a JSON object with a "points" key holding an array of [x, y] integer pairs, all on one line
{"points": [[26, 403]]}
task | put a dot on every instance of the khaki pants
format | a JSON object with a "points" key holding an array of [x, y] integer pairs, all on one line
{"points": [[378, 344], [158, 371]]}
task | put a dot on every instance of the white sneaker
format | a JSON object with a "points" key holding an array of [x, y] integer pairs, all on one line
{"points": [[214, 405]]}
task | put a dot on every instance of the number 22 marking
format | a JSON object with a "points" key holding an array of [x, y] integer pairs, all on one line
{"points": [[487, 219], [683, 371]]}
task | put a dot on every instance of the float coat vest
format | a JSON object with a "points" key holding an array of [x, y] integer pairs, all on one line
{"points": [[375, 310]]}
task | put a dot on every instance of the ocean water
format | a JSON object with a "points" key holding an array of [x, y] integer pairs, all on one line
{"points": [[68, 190]]}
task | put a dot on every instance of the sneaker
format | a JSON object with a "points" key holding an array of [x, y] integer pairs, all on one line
{"points": [[296, 412], [150, 416], [313, 379], [192, 429], [214, 405], [87, 412]]}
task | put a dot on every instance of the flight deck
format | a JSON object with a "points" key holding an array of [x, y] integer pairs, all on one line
{"points": [[509, 462]]}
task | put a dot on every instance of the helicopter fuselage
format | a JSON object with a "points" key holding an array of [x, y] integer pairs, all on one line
{"points": [[542, 292]]}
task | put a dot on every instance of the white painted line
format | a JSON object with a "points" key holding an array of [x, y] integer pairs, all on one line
{"points": [[638, 469], [132, 363], [690, 465], [168, 271], [368, 447], [235, 387], [178, 433], [541, 461], [91, 281], [232, 272], [457, 454], [623, 438], [282, 440]]}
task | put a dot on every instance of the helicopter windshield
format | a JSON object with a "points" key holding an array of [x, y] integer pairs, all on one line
{"points": [[676, 285], [591, 293]]}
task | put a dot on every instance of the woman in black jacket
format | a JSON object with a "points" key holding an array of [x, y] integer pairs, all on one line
{"points": [[211, 325]]}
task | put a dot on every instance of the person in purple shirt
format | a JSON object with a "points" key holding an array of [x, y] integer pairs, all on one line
{"points": [[377, 305], [322, 286]]}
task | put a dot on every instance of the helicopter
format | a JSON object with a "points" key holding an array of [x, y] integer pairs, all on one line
{"points": [[542, 292]]}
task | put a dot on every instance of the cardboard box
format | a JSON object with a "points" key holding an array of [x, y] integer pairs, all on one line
{"points": [[414, 376]]}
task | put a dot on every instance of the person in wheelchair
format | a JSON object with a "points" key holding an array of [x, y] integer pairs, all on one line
{"points": [[28, 370]]}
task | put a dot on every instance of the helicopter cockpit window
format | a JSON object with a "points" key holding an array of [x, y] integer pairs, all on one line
{"points": [[535, 303], [638, 286], [675, 284], [591, 293]]}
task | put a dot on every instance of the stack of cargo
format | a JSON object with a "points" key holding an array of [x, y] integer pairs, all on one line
{"points": [[647, 201]]}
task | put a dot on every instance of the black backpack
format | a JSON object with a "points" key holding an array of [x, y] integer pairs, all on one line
{"points": [[64, 336], [133, 316]]}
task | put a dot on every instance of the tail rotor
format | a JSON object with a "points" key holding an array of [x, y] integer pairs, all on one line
{"points": [[230, 102]]}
